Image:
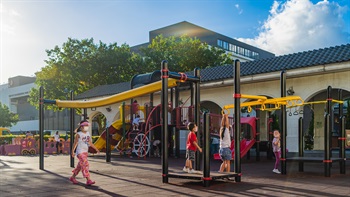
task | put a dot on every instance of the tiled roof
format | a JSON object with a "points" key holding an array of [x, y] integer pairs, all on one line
{"points": [[279, 63], [105, 90], [286, 62]]}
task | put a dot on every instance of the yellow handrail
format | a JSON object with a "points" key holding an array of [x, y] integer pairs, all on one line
{"points": [[247, 96], [288, 101]]}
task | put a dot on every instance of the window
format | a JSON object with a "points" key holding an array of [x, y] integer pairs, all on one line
{"points": [[232, 47], [220, 43], [225, 45], [238, 50], [255, 55], [248, 53]]}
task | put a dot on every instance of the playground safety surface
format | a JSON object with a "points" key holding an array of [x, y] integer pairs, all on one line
{"points": [[123, 176]]}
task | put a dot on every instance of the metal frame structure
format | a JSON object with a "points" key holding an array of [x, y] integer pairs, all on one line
{"points": [[43, 101], [207, 176], [327, 159], [283, 103]]}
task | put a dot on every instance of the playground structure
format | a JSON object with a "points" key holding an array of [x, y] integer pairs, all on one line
{"points": [[247, 141], [207, 176], [170, 80], [240, 147], [328, 158], [152, 87], [118, 138], [119, 134], [163, 123], [4, 131], [283, 103], [138, 141]]}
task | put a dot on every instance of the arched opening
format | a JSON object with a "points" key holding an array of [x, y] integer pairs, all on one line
{"points": [[313, 119], [215, 114], [98, 123], [210, 106]]}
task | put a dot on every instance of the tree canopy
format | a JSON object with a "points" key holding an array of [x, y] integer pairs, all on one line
{"points": [[183, 54], [80, 65], [7, 118]]}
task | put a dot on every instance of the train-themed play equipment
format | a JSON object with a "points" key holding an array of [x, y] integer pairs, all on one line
{"points": [[29, 146]]}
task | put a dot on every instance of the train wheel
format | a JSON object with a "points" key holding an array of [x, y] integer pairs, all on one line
{"points": [[32, 151], [25, 152], [142, 145]]}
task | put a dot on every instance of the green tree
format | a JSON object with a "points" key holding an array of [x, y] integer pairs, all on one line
{"points": [[183, 54], [81, 65], [7, 118], [309, 137]]}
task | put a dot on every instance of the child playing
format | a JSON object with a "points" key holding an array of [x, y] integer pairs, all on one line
{"points": [[156, 148], [276, 146], [136, 123], [225, 143], [81, 144], [191, 147]]}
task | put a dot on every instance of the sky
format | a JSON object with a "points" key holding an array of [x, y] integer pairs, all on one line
{"points": [[30, 27]]}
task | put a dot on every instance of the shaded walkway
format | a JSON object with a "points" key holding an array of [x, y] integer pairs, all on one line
{"points": [[20, 176]]}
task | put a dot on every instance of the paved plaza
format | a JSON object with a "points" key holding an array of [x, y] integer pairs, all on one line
{"points": [[20, 176]]}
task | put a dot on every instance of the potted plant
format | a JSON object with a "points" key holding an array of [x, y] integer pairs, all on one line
{"points": [[347, 124], [309, 136]]}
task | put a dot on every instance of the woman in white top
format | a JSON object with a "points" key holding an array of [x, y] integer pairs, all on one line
{"points": [[57, 140], [81, 145], [225, 143]]}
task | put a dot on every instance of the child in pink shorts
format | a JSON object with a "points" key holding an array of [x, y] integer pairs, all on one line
{"points": [[81, 145], [276, 146]]}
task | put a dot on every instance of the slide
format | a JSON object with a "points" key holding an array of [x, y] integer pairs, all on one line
{"points": [[246, 145], [116, 130]]}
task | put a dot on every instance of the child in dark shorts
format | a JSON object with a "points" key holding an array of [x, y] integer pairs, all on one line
{"points": [[225, 142], [191, 148]]}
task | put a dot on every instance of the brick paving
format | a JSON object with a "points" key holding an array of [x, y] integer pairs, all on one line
{"points": [[20, 176]]}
